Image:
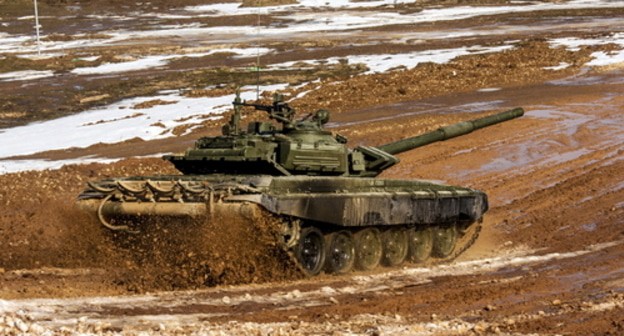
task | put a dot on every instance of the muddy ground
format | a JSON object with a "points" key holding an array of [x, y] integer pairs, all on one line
{"points": [[549, 259]]}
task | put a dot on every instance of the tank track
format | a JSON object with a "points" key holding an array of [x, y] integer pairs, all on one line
{"points": [[466, 239]]}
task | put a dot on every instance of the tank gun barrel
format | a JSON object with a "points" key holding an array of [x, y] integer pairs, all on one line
{"points": [[448, 132]]}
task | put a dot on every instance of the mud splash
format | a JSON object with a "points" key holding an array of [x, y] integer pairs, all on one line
{"points": [[45, 230], [223, 249]]}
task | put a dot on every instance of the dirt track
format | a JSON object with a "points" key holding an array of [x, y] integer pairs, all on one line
{"points": [[549, 260]]}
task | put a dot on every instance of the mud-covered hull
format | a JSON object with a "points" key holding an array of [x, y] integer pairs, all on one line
{"points": [[338, 201], [331, 223]]}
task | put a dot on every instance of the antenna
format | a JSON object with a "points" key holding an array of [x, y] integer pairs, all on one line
{"points": [[37, 28], [257, 52]]}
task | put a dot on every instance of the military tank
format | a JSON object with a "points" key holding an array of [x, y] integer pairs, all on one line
{"points": [[334, 215]]}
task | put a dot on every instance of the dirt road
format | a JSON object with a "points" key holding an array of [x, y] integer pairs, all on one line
{"points": [[549, 260]]}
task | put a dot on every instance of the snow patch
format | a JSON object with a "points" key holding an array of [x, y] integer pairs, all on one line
{"points": [[25, 75], [493, 89], [14, 166], [561, 66], [600, 58], [118, 122], [140, 64], [384, 62], [161, 60]]}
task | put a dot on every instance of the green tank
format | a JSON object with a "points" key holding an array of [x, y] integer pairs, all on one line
{"points": [[334, 214]]}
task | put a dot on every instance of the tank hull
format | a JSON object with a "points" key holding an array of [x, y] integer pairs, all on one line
{"points": [[340, 201], [328, 223]]}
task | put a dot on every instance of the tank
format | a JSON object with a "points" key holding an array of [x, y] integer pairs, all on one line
{"points": [[334, 213]]}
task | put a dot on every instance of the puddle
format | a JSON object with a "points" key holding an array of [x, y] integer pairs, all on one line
{"points": [[567, 156], [540, 150], [582, 79]]}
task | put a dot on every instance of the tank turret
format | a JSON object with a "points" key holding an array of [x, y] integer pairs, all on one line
{"points": [[303, 147]]}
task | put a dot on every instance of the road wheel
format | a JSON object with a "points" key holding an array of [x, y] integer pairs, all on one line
{"points": [[420, 244], [340, 255], [444, 238], [310, 250], [395, 245], [368, 249]]}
